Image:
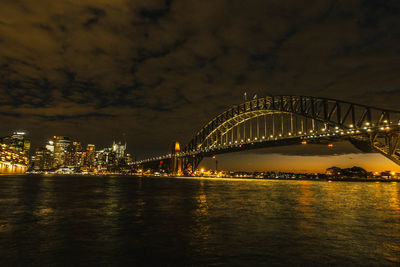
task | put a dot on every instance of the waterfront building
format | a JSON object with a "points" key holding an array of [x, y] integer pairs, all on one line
{"points": [[129, 159], [74, 154], [43, 159], [12, 161], [90, 155], [18, 142], [27, 146], [103, 157], [50, 146], [62, 152], [119, 149], [61, 145]]}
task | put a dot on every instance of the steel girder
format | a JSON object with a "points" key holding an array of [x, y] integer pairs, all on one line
{"points": [[344, 114], [378, 129]]}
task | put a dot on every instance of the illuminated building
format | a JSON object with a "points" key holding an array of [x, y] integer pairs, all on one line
{"points": [[43, 159], [90, 155], [27, 146], [61, 144], [18, 142], [128, 159], [76, 154], [118, 149], [12, 161], [50, 146], [63, 153], [73, 154], [103, 157]]}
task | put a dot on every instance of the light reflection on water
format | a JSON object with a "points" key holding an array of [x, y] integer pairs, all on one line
{"points": [[191, 221]]}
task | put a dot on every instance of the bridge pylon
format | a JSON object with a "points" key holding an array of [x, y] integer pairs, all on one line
{"points": [[176, 160]]}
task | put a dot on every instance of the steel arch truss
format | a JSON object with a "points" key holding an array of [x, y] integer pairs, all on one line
{"points": [[289, 120], [304, 117]]}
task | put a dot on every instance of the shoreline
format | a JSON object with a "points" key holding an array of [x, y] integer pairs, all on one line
{"points": [[315, 180], [375, 180]]}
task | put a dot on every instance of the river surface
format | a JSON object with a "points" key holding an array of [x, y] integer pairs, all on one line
{"points": [[97, 221]]}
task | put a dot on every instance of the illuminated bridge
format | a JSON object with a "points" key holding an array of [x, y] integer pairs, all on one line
{"points": [[287, 120]]}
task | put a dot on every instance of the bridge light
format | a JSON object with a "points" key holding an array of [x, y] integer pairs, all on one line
{"points": [[311, 131], [248, 139], [385, 121], [351, 125], [290, 133], [336, 127], [235, 142], [255, 138], [299, 132], [263, 137], [271, 136], [382, 128], [323, 129], [367, 123]]}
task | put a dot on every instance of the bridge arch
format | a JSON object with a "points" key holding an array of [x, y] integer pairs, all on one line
{"points": [[290, 119], [294, 118]]}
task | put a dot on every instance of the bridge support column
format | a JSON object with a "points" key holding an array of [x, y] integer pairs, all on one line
{"points": [[176, 160]]}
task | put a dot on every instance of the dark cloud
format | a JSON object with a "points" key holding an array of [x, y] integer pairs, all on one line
{"points": [[159, 70]]}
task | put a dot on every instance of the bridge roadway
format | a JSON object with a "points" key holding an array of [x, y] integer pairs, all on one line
{"points": [[287, 120]]}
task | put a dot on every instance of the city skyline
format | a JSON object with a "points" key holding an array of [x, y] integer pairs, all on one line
{"points": [[281, 159]]}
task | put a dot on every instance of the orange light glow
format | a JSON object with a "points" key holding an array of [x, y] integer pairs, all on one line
{"points": [[177, 147]]}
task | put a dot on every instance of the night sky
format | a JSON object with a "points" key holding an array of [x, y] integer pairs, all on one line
{"points": [[152, 72]]}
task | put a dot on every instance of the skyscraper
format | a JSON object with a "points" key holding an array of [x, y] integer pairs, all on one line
{"points": [[61, 145], [90, 155], [118, 149], [19, 142], [76, 154], [43, 159]]}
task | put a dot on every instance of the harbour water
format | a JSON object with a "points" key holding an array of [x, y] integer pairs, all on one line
{"points": [[104, 220]]}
